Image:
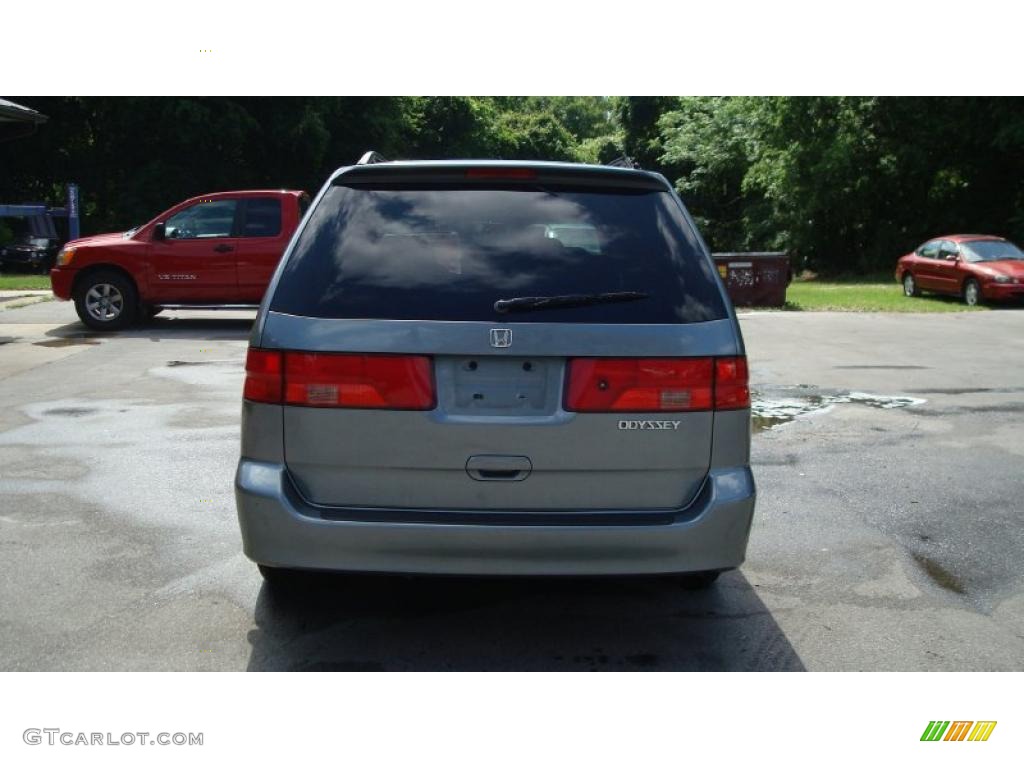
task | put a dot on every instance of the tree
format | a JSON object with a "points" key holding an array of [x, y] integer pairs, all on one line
{"points": [[639, 116], [847, 184]]}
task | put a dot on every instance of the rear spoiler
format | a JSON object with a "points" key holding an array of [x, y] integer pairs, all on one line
{"points": [[505, 175], [491, 173]]}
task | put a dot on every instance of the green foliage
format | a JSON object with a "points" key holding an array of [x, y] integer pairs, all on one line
{"points": [[844, 184], [639, 116], [847, 184], [708, 144], [135, 156]]}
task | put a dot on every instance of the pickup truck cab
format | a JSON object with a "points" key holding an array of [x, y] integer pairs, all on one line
{"points": [[215, 251]]}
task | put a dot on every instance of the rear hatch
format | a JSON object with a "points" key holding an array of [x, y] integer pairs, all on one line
{"points": [[496, 341]]}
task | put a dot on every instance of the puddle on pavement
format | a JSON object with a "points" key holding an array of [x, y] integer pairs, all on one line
{"points": [[7, 339], [879, 401], [764, 423], [780, 405], [940, 575], [771, 412]]}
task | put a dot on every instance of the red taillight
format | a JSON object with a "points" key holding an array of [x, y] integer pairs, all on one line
{"points": [[639, 384], [645, 385], [732, 388], [262, 376], [402, 382], [499, 172]]}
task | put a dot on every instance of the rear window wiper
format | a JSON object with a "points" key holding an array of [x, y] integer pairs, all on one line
{"points": [[533, 303]]}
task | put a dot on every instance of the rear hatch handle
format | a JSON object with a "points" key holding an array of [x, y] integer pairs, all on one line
{"points": [[500, 468]]}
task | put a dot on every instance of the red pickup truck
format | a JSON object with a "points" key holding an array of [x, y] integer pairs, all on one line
{"points": [[210, 252]]}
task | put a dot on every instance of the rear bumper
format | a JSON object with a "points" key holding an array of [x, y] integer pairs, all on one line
{"points": [[279, 528], [60, 282]]}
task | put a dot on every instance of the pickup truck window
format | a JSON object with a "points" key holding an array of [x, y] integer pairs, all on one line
{"points": [[262, 217], [203, 220]]}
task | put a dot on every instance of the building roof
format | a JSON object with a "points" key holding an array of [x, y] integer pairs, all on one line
{"points": [[17, 120], [9, 111]]}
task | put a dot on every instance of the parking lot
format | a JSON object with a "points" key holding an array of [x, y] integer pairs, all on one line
{"points": [[888, 536]]}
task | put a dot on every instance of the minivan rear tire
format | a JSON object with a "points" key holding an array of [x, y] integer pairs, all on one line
{"points": [[278, 576], [698, 580]]}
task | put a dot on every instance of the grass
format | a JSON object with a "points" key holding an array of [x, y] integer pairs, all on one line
{"points": [[24, 282], [872, 293]]}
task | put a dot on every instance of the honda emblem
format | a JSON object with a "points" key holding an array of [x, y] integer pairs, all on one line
{"points": [[501, 337]]}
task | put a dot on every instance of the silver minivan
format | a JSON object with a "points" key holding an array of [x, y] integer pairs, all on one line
{"points": [[503, 368]]}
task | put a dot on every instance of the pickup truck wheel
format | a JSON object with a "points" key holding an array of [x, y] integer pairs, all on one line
{"points": [[106, 301]]}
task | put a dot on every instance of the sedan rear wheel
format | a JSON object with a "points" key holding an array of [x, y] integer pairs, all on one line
{"points": [[972, 293], [909, 285]]}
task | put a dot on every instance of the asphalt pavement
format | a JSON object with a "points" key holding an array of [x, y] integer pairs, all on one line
{"points": [[888, 535]]}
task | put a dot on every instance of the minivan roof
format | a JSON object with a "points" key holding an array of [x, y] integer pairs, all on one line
{"points": [[550, 171]]}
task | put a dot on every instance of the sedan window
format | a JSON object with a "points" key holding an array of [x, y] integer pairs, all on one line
{"points": [[929, 250], [992, 250]]}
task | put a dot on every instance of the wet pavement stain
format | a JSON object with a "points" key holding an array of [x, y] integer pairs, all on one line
{"points": [[70, 411], [69, 341], [993, 408], [881, 367], [940, 575], [7, 339], [956, 391]]}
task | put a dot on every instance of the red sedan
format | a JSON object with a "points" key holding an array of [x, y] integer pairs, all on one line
{"points": [[976, 267]]}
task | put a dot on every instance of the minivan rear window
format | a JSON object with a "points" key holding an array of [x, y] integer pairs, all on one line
{"points": [[419, 252]]}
